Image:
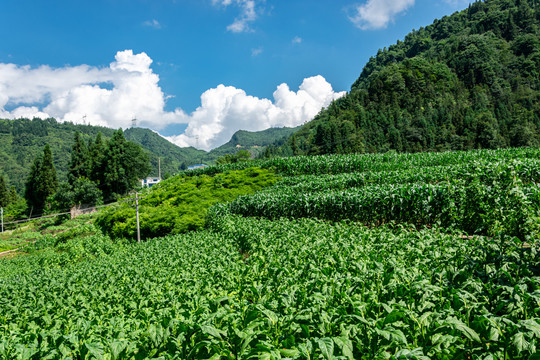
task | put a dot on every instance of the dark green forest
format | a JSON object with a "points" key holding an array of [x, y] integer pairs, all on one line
{"points": [[22, 140], [468, 81]]}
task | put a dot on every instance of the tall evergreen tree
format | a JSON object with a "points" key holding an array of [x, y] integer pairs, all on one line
{"points": [[4, 193], [41, 182], [79, 166], [96, 152], [31, 193], [48, 182], [12, 195]]}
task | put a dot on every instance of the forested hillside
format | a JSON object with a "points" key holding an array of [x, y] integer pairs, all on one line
{"points": [[254, 142], [22, 140], [470, 80], [173, 158]]}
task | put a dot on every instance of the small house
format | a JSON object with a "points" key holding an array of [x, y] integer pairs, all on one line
{"points": [[150, 181]]}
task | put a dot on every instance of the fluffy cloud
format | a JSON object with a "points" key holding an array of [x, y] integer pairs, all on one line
{"points": [[128, 87], [248, 14], [109, 96], [226, 109], [376, 14], [297, 40]]}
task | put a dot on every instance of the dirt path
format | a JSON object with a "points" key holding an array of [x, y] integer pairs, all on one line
{"points": [[8, 253]]}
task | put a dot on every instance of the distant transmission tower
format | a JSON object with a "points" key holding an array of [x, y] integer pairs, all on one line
{"points": [[197, 141], [134, 122], [84, 120]]}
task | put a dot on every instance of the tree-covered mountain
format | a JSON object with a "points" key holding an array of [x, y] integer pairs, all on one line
{"points": [[23, 140], [469, 80], [255, 142]]}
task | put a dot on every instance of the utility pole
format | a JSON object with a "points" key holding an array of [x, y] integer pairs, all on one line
{"points": [[2, 212], [137, 207]]}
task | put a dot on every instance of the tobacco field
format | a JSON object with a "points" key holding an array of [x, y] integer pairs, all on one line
{"points": [[389, 256]]}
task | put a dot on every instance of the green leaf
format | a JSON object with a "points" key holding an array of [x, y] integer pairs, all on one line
{"points": [[519, 342], [25, 353], [306, 349], [493, 334], [289, 353], [346, 346], [531, 325], [464, 329], [95, 349], [417, 354], [393, 335], [327, 347], [271, 316], [210, 330], [393, 316], [116, 348]]}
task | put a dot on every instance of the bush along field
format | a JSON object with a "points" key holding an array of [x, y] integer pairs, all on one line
{"points": [[179, 204], [391, 256]]}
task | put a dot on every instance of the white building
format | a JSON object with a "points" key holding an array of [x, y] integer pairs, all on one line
{"points": [[150, 181]]}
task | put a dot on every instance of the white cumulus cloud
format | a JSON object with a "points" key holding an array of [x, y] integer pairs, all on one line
{"points": [[226, 109], [109, 96], [376, 14], [248, 14]]}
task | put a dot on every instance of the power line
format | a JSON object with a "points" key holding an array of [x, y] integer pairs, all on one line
{"points": [[61, 213]]}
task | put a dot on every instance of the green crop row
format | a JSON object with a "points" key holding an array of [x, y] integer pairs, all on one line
{"points": [[293, 289], [502, 172], [473, 207], [337, 164]]}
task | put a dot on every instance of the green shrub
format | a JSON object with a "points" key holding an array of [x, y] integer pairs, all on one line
{"points": [[180, 204]]}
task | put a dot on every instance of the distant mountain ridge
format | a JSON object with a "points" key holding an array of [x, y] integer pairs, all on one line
{"points": [[470, 80], [253, 141], [21, 140]]}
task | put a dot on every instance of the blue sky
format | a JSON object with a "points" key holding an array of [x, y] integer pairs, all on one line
{"points": [[211, 66]]}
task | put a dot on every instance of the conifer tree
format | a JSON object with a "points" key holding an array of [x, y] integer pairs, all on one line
{"points": [[79, 166], [4, 193], [12, 195], [31, 193], [96, 152], [41, 182], [47, 180]]}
